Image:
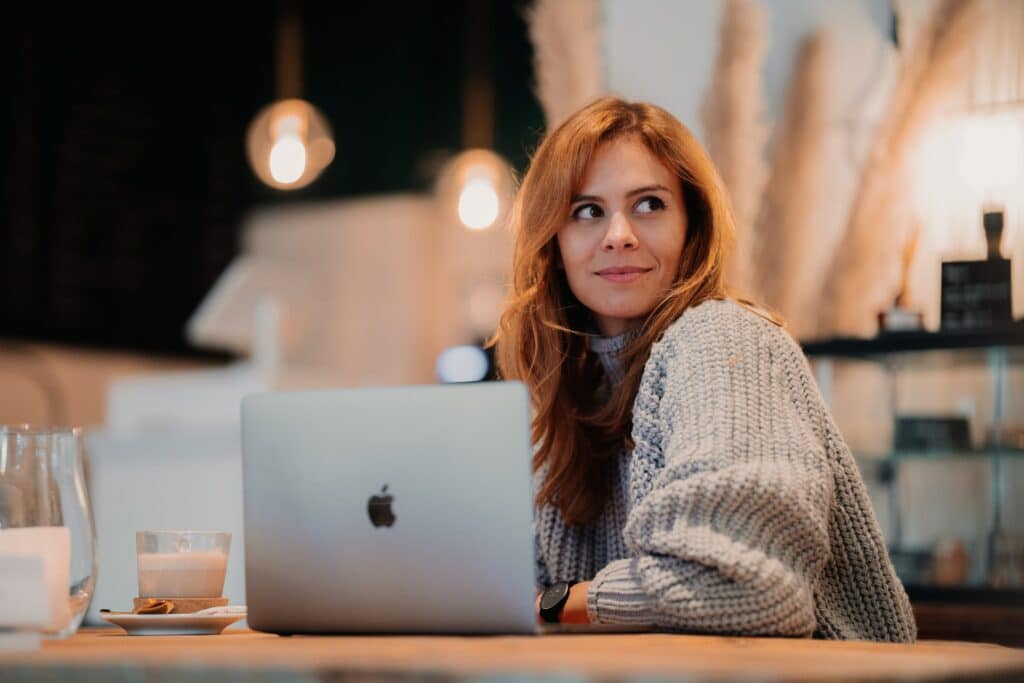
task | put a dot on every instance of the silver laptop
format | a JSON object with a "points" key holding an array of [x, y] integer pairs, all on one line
{"points": [[389, 510]]}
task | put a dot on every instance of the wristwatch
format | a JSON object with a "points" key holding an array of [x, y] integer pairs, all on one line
{"points": [[553, 600]]}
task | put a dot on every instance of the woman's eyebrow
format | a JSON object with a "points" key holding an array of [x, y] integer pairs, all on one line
{"points": [[631, 193]]}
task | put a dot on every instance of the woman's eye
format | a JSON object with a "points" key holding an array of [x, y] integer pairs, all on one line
{"points": [[587, 211], [649, 205]]}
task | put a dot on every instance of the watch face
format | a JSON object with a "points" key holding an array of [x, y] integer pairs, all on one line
{"points": [[554, 594]]}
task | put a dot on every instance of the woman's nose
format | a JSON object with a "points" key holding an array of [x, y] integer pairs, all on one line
{"points": [[619, 235]]}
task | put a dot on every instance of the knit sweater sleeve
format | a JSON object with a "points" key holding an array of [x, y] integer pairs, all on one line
{"points": [[733, 531], [541, 575]]}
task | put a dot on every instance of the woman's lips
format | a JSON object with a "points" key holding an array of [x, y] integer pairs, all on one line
{"points": [[623, 274]]}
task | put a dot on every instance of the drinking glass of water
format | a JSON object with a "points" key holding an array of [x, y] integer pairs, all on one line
{"points": [[45, 511]]}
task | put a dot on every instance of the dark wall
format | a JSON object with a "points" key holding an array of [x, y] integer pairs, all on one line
{"points": [[124, 171]]}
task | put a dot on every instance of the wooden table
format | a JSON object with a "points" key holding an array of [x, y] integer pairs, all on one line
{"points": [[108, 655]]}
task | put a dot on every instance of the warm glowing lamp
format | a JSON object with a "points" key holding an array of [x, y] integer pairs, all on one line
{"points": [[478, 186], [478, 204], [289, 144]]}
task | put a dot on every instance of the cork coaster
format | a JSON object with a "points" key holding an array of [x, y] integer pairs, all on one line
{"points": [[175, 605]]}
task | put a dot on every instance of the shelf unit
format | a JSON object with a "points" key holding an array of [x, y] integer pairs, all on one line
{"points": [[996, 350]]}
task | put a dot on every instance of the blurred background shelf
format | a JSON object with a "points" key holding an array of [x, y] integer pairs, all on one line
{"points": [[877, 463], [1005, 597], [927, 348], [943, 414]]}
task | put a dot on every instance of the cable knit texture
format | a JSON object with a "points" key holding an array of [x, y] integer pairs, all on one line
{"points": [[740, 509]]}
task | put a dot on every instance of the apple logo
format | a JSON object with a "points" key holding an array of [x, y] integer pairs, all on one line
{"points": [[379, 508]]}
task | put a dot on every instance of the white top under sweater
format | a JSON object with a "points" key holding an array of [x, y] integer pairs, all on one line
{"points": [[740, 509]]}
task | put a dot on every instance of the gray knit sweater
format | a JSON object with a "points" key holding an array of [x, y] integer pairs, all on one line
{"points": [[740, 509]]}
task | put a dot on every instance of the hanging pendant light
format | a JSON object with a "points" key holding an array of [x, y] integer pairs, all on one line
{"points": [[477, 186], [478, 183], [289, 142]]}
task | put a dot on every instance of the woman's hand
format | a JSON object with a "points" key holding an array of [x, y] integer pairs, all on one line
{"points": [[575, 609]]}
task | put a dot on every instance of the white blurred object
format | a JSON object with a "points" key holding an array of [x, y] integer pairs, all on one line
{"points": [[51, 545], [24, 603], [462, 364], [180, 402], [226, 317], [373, 268], [224, 611], [898, 319]]}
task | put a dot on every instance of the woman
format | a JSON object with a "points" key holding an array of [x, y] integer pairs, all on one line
{"points": [[688, 473]]}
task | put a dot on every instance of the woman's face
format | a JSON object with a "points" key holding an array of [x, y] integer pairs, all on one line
{"points": [[623, 235]]}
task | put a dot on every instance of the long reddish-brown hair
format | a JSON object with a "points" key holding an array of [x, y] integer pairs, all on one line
{"points": [[541, 337]]}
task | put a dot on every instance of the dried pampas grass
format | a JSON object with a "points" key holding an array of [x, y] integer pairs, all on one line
{"points": [[866, 274], [789, 266], [566, 37], [736, 134]]}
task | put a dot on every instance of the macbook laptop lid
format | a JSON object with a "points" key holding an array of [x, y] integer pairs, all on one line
{"points": [[389, 510]]}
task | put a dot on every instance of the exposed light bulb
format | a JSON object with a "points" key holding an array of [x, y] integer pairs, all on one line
{"points": [[287, 158], [478, 204], [289, 144]]}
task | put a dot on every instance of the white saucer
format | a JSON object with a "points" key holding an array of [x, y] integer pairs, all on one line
{"points": [[172, 624]]}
